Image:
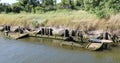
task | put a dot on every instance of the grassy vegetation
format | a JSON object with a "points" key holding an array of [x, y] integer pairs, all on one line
{"points": [[72, 19]]}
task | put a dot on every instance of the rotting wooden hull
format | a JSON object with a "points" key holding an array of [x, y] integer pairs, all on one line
{"points": [[47, 36], [90, 46], [94, 46], [17, 35], [98, 44], [72, 44], [101, 41]]}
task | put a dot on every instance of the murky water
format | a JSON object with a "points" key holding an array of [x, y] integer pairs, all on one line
{"points": [[36, 50]]}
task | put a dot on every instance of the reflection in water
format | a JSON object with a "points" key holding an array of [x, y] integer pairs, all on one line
{"points": [[36, 50]]}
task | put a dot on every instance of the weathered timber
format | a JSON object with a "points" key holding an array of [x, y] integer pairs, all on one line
{"points": [[46, 36], [72, 44], [36, 32], [14, 29], [94, 46], [18, 35], [1, 28], [101, 41], [100, 44]]}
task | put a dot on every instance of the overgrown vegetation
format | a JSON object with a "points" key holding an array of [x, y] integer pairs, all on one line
{"points": [[102, 8], [73, 19], [82, 14]]}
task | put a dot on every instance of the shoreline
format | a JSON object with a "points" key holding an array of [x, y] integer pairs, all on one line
{"points": [[47, 32]]}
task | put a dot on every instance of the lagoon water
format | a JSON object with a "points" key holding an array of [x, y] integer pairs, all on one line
{"points": [[36, 50]]}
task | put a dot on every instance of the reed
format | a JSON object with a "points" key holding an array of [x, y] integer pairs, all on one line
{"points": [[72, 19]]}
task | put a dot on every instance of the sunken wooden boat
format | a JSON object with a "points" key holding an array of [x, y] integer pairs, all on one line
{"points": [[97, 44], [72, 44], [18, 35]]}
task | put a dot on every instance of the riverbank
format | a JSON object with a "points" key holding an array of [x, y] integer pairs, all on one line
{"points": [[73, 38], [62, 24], [73, 19]]}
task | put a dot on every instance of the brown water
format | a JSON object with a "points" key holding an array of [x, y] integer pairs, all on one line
{"points": [[36, 50]]}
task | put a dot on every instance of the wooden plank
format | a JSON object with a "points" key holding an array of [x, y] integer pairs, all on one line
{"points": [[21, 36], [94, 46], [106, 41], [101, 41], [17, 35], [46, 36]]}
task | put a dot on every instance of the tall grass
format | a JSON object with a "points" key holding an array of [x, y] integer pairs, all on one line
{"points": [[72, 19]]}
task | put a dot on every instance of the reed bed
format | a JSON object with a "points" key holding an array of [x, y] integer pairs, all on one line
{"points": [[72, 19]]}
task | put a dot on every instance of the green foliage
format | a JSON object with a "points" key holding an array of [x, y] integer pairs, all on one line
{"points": [[79, 4], [67, 4], [102, 8], [5, 7], [28, 5], [48, 5], [16, 8]]}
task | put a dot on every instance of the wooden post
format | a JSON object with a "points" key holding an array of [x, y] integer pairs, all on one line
{"points": [[63, 35], [45, 30], [48, 31], [77, 36], [41, 31], [70, 33]]}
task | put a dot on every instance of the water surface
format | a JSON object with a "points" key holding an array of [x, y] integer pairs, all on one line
{"points": [[36, 50]]}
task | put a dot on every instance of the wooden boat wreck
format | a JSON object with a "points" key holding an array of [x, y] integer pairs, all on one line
{"points": [[97, 44], [74, 37]]}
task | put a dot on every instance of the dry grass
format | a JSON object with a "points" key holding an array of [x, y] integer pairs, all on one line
{"points": [[85, 21], [19, 20], [71, 19]]}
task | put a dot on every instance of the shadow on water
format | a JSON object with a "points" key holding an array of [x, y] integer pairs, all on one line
{"points": [[36, 50], [50, 42], [106, 56]]}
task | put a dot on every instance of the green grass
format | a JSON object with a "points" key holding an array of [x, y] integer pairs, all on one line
{"points": [[73, 19]]}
